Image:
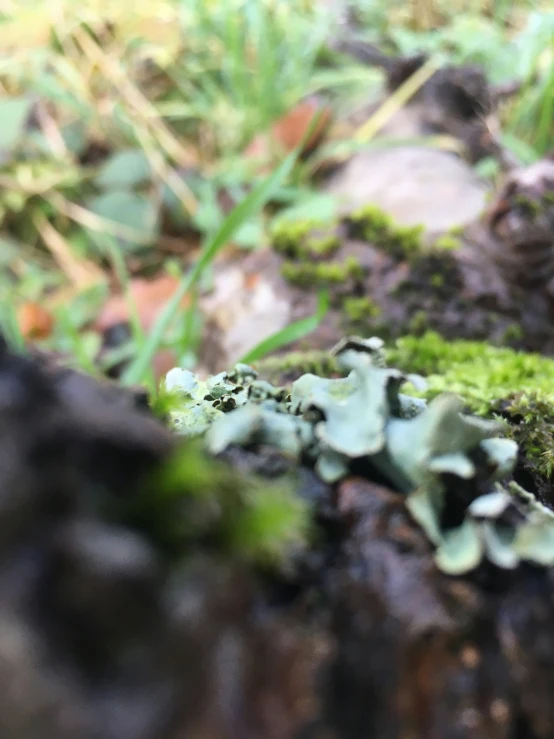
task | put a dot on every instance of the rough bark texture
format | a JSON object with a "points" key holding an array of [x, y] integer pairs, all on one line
{"points": [[104, 635]]}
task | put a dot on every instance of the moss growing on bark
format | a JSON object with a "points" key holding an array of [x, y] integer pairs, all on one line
{"points": [[478, 372], [307, 274], [360, 309], [305, 240], [490, 380], [377, 227], [531, 418], [447, 242], [288, 238]]}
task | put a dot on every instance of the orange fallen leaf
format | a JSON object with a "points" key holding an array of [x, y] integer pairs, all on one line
{"points": [[251, 280], [149, 296], [34, 321], [289, 131]]}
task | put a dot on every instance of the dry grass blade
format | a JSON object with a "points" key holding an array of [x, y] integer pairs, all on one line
{"points": [[167, 173], [51, 131], [81, 272], [395, 102], [147, 112], [94, 222], [117, 75]]}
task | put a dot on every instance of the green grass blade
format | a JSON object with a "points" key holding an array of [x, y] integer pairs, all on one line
{"points": [[287, 335], [251, 205], [9, 328]]}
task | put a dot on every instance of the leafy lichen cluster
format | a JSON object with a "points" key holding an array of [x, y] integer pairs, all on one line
{"points": [[431, 451]]}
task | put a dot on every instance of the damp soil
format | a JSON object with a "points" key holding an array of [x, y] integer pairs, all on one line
{"points": [[106, 632]]}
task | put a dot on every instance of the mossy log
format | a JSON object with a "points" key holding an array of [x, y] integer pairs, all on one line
{"points": [[132, 607]]}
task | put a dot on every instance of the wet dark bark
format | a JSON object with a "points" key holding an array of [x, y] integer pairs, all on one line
{"points": [[103, 635]]}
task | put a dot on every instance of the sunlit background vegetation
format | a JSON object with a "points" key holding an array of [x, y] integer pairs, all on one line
{"points": [[125, 127]]}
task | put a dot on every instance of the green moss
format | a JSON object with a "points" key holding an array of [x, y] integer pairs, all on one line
{"points": [[480, 373], [447, 242], [360, 309], [308, 274], [514, 332], [304, 239], [288, 238], [437, 280], [377, 227], [455, 231], [200, 500], [418, 323], [532, 206], [490, 380], [531, 415], [323, 245], [548, 197]]}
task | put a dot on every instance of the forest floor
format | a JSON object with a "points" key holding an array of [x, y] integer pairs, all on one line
{"points": [[143, 147], [344, 550]]}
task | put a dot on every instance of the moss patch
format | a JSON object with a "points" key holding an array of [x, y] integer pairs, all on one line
{"points": [[447, 242], [531, 418], [377, 227], [305, 239], [288, 238], [359, 309], [478, 372], [308, 274], [491, 380]]}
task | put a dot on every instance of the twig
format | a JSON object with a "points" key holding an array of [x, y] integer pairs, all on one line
{"points": [[51, 131]]}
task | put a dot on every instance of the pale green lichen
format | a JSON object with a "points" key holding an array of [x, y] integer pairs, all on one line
{"points": [[427, 450], [488, 530]]}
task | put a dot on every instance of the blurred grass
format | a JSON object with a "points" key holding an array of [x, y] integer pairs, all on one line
{"points": [[140, 114]]}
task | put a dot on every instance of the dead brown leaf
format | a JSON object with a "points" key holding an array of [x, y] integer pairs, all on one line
{"points": [[287, 133], [149, 296], [34, 321]]}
